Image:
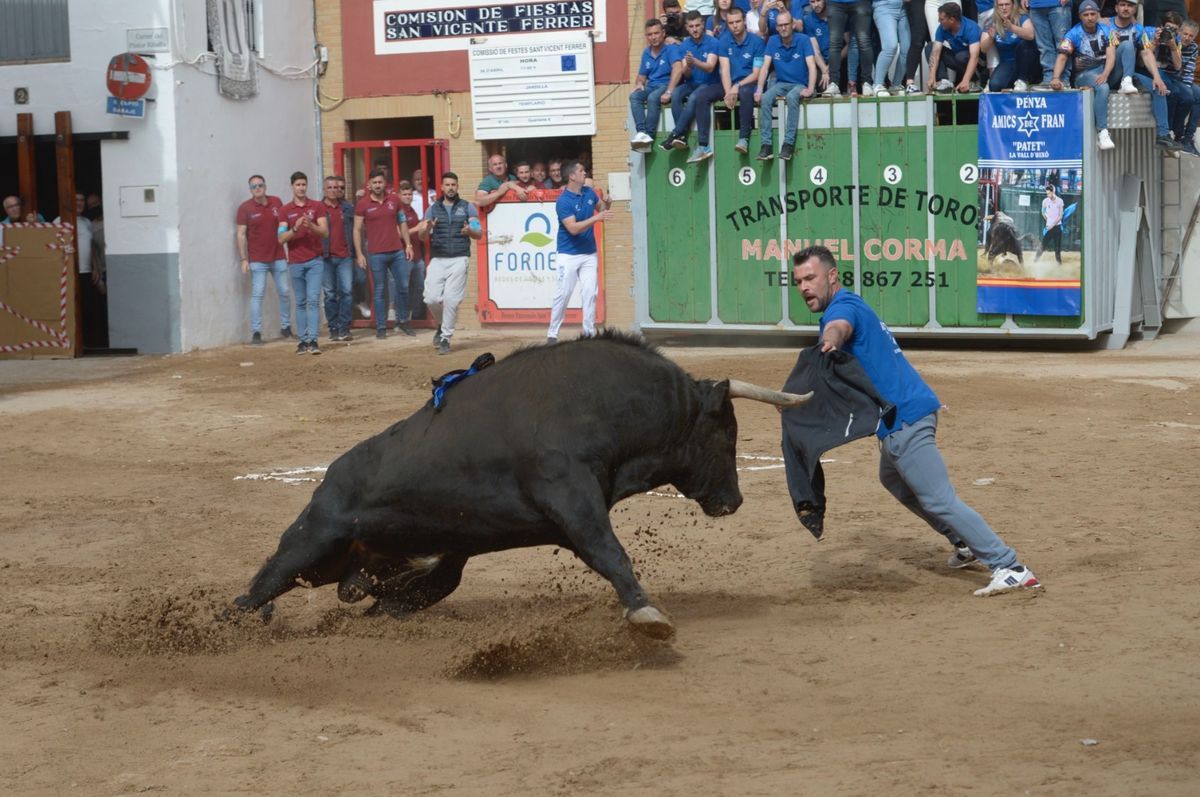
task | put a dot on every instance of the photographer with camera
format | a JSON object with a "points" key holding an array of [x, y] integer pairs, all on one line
{"points": [[672, 22], [1169, 42]]}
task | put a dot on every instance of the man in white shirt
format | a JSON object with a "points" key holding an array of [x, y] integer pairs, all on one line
{"points": [[1052, 214]]}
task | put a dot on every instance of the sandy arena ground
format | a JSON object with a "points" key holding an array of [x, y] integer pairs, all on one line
{"points": [[857, 665]]}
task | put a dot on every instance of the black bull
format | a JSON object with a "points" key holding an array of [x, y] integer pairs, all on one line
{"points": [[534, 450]]}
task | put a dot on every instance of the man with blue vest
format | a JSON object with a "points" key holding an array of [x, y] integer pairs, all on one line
{"points": [[659, 74], [576, 257], [910, 465], [791, 56], [453, 224], [741, 59], [694, 97]]}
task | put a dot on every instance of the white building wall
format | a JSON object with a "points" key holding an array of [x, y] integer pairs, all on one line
{"points": [[174, 282], [221, 142]]}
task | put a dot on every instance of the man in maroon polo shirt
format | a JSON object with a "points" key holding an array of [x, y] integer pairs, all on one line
{"points": [[412, 218], [262, 254], [304, 226], [338, 282], [388, 249]]}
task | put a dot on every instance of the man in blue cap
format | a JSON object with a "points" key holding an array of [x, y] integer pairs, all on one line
{"points": [[1093, 65]]}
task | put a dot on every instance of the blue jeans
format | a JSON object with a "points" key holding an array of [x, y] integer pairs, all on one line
{"points": [[698, 106], [1126, 65], [1087, 79], [306, 284], [791, 94], [1050, 26], [839, 15], [912, 470], [646, 104], [258, 287], [1023, 67], [888, 16], [337, 283], [399, 266], [416, 289], [1183, 104]]}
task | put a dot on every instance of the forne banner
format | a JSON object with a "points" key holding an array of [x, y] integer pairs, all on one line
{"points": [[1030, 190]]}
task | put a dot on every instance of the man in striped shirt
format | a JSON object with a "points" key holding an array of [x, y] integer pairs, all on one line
{"points": [[1184, 100]]}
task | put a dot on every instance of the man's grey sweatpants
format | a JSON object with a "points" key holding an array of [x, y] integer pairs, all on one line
{"points": [[912, 469]]}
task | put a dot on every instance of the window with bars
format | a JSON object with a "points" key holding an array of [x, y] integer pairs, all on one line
{"points": [[34, 31]]}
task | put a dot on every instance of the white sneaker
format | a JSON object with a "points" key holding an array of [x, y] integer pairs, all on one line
{"points": [[1104, 140], [882, 93], [832, 91], [364, 309], [1006, 579], [868, 90], [1127, 86], [1020, 85], [962, 557], [943, 86]]}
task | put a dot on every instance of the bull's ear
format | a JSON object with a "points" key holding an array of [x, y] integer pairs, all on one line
{"points": [[715, 394]]}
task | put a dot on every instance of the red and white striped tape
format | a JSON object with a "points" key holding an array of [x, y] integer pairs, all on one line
{"points": [[61, 339]]}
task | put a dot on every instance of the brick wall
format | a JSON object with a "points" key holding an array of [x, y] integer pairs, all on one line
{"points": [[452, 121]]}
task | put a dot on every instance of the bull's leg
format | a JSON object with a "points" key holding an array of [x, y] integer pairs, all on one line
{"points": [[418, 588], [576, 504]]}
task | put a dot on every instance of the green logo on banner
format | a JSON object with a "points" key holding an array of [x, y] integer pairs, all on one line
{"points": [[533, 237]]}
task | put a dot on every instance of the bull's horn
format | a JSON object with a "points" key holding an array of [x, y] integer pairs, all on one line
{"points": [[777, 397]]}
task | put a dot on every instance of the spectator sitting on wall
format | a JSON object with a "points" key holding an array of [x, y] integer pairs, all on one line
{"points": [[14, 212], [790, 56], [1011, 36], [741, 58], [815, 24], [1168, 52], [672, 22], [496, 184], [1183, 122], [955, 47], [1094, 64], [660, 72], [693, 98], [1133, 44], [554, 178]]}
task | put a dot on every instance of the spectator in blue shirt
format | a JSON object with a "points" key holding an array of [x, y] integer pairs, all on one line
{"points": [[1094, 65], [1133, 44], [955, 46], [1010, 35], [741, 60], [694, 97], [791, 56], [576, 259], [660, 72]]}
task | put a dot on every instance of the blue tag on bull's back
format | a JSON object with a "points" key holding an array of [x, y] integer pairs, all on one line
{"points": [[444, 382]]}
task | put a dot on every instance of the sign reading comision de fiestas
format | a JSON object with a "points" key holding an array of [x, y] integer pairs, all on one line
{"points": [[424, 26], [518, 272], [533, 90], [1030, 194]]}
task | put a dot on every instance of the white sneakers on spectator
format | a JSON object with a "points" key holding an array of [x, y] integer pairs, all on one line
{"points": [[868, 90], [962, 557], [1009, 578], [641, 142], [943, 86], [1020, 85], [1127, 86], [1104, 140], [832, 91], [882, 92]]}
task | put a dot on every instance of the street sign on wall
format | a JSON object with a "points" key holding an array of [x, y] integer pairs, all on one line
{"points": [[128, 76], [533, 90]]}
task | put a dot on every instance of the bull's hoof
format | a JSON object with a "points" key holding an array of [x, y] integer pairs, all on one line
{"points": [[651, 622], [354, 587], [267, 612]]}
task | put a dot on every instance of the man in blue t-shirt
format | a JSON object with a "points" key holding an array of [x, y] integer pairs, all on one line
{"points": [[955, 46], [576, 258], [1086, 49], [660, 72], [910, 466], [741, 58], [694, 97], [790, 55]]}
